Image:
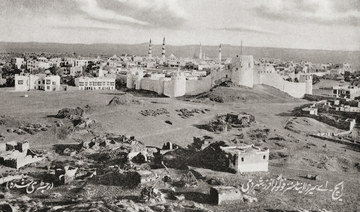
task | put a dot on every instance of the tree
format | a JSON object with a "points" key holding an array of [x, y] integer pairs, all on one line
{"points": [[315, 79], [10, 81], [6, 71], [55, 70]]}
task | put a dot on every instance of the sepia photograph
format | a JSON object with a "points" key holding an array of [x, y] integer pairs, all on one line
{"points": [[179, 105]]}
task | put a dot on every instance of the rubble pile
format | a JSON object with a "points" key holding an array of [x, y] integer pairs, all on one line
{"points": [[200, 143], [115, 149], [152, 195], [68, 112], [259, 134], [189, 180], [18, 154], [224, 123], [124, 99], [22, 203], [186, 113], [157, 112], [76, 116], [29, 128], [219, 125], [110, 141]]}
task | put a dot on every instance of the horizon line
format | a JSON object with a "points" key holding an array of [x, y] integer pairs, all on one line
{"points": [[223, 44]]}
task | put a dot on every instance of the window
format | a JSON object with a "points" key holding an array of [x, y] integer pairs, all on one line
{"points": [[48, 87], [39, 82], [112, 83], [242, 159], [48, 82], [43, 81], [81, 83], [264, 157], [20, 82], [86, 83], [54, 83]]}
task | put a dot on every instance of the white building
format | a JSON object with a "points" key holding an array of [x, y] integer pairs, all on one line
{"points": [[247, 158], [37, 82], [18, 61], [40, 62], [95, 83], [348, 92]]}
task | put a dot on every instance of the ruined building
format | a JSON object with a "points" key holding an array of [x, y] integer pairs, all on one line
{"points": [[17, 154]]}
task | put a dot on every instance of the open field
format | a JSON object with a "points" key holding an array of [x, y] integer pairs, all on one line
{"points": [[293, 155]]}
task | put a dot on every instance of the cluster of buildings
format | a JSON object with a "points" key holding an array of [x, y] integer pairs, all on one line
{"points": [[44, 82], [339, 107], [172, 76], [346, 92]]}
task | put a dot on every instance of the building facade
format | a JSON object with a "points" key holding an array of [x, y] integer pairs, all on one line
{"points": [[247, 158], [37, 82], [95, 83], [348, 92]]}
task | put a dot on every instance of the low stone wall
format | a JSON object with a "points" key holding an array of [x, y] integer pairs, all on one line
{"points": [[316, 98], [336, 140], [338, 124]]}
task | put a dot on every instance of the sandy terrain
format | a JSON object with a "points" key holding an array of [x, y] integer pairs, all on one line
{"points": [[294, 155]]}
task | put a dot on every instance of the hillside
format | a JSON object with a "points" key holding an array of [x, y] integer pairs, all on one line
{"points": [[315, 56], [258, 94]]}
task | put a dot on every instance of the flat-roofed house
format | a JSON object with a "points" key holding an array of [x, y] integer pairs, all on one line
{"points": [[95, 83], [247, 158]]}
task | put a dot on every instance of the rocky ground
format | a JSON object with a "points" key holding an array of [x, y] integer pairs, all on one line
{"points": [[91, 133]]}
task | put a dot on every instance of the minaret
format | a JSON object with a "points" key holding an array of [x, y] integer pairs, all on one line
{"points": [[163, 49], [200, 52], [149, 52], [220, 53], [204, 56]]}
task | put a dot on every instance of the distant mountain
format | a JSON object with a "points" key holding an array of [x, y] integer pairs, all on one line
{"points": [[315, 56]]}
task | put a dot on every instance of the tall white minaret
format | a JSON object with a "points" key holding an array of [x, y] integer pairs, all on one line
{"points": [[200, 52], [220, 53], [150, 52], [163, 49]]}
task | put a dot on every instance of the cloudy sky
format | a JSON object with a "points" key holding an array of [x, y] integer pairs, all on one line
{"points": [[309, 24]]}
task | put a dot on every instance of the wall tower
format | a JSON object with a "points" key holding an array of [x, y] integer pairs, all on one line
{"points": [[242, 70], [307, 79]]}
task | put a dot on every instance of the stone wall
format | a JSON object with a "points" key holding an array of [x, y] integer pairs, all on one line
{"points": [[194, 87], [253, 162], [156, 85], [294, 89]]}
